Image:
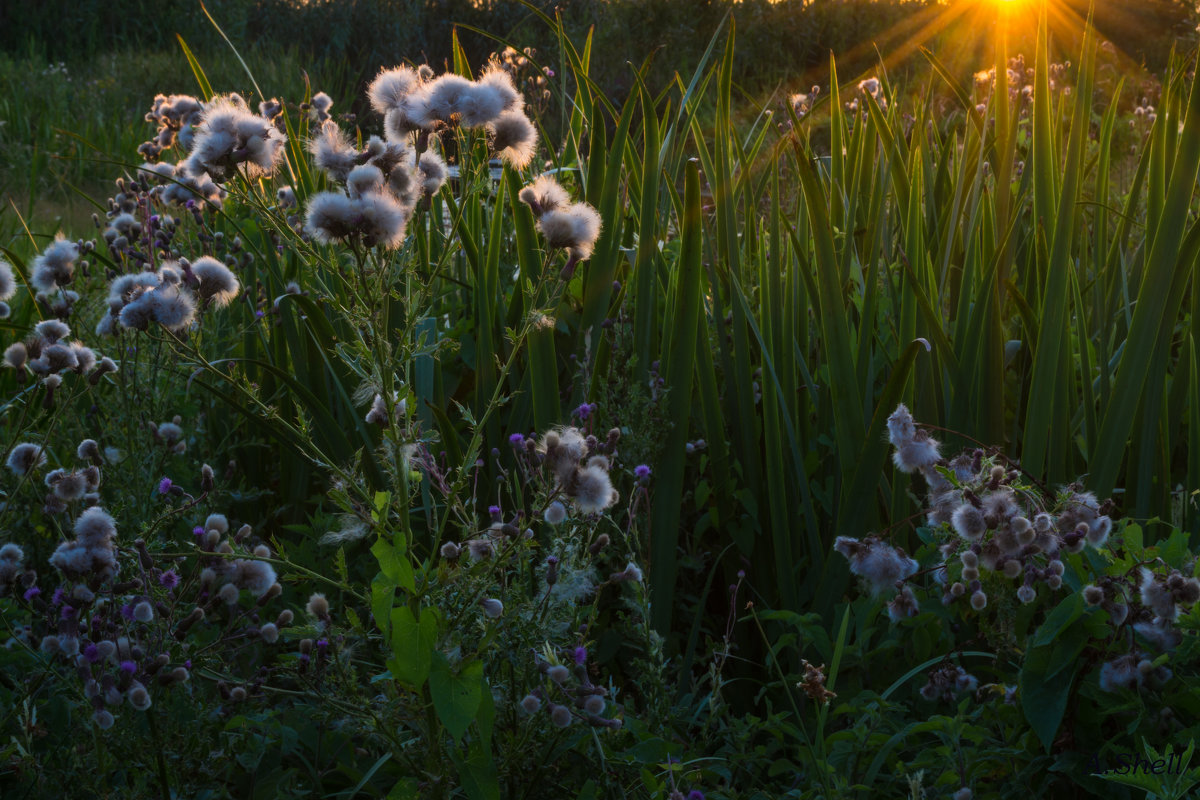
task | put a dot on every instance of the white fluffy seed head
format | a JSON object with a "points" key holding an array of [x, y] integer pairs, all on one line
{"points": [[218, 285], [391, 87]]}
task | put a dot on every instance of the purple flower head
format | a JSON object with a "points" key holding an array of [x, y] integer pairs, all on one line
{"points": [[58, 596], [164, 486], [188, 664], [31, 593], [581, 655], [494, 511], [641, 471], [198, 531], [190, 205], [304, 658], [322, 644], [552, 560], [127, 611], [128, 666], [517, 440], [259, 315], [549, 72], [169, 579], [695, 794], [585, 410], [91, 652], [68, 612]]}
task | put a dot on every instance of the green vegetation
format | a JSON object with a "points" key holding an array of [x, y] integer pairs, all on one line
{"points": [[380, 470]]}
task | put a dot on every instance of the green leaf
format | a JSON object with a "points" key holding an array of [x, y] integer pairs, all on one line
{"points": [[394, 564], [412, 645], [456, 696], [1044, 698], [1063, 615]]}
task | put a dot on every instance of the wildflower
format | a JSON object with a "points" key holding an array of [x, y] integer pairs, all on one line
{"points": [[531, 704], [269, 633], [979, 600], [103, 719], [632, 573], [513, 138], [916, 454], [574, 229], [901, 428], [143, 612], [591, 490], [560, 716], [232, 137], [169, 579], [903, 605], [71, 486], [391, 88], [879, 563], [318, 606], [55, 266], [544, 195], [432, 171], [164, 486], [1156, 596], [257, 577], [217, 284], [594, 704], [1121, 673], [228, 594], [92, 550], [332, 152], [1098, 532], [492, 608], [26, 457], [450, 551], [968, 522], [1026, 594], [479, 549], [8, 285], [580, 655], [562, 450]]}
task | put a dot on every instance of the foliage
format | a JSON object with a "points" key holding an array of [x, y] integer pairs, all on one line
{"points": [[556, 509]]}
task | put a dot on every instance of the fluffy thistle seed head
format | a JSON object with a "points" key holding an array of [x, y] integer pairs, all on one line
{"points": [[217, 283]]}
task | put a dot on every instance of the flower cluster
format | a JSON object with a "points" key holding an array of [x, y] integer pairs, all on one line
{"points": [[573, 227], [567, 693], [169, 296]]}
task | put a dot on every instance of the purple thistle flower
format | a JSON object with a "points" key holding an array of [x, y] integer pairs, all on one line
{"points": [[322, 644], [91, 652], [552, 560], [304, 658], [31, 593], [580, 655], [585, 410], [198, 531], [169, 579], [494, 511], [164, 486], [259, 315], [58, 596], [67, 612], [517, 440], [127, 611], [187, 664], [695, 794], [128, 666], [641, 471]]}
